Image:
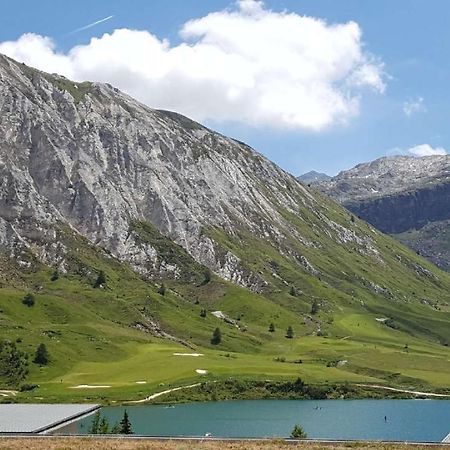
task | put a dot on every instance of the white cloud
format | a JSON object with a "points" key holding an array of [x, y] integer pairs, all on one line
{"points": [[248, 64], [426, 150], [413, 106]]}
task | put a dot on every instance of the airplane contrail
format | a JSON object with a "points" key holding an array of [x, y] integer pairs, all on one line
{"points": [[91, 25]]}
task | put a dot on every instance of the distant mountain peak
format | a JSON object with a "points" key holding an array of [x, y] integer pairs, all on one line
{"points": [[313, 177]]}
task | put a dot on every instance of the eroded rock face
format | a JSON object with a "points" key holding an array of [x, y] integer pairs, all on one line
{"points": [[405, 196], [89, 156]]}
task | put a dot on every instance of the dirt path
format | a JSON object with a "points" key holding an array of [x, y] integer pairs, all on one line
{"points": [[425, 394], [158, 394]]}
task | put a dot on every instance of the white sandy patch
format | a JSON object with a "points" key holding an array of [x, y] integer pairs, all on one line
{"points": [[381, 319], [141, 382], [188, 354], [7, 392], [90, 386], [201, 371]]}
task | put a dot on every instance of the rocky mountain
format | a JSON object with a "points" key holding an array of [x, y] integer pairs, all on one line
{"points": [[173, 200], [313, 177], [404, 196]]}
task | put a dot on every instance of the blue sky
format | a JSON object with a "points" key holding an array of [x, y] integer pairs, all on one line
{"points": [[409, 41]]}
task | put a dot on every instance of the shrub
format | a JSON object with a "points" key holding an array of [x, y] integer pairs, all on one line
{"points": [[28, 387]]}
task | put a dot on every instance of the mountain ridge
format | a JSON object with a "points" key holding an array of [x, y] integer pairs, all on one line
{"points": [[402, 195]]}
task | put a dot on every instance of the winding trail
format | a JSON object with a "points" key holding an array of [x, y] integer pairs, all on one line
{"points": [[387, 388], [158, 394]]}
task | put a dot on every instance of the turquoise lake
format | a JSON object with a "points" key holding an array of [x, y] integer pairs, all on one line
{"points": [[406, 420]]}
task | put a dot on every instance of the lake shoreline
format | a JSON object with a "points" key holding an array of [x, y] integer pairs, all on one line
{"points": [[237, 389]]}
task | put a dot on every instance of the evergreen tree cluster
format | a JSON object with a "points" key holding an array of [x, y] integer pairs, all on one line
{"points": [[13, 364], [100, 425]]}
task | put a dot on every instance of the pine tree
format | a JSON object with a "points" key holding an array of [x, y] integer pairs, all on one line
{"points": [[103, 427], [13, 364], [116, 428], [41, 357], [271, 328], [95, 424], [298, 433], [203, 313], [289, 332], [125, 424], [216, 337], [28, 300], [101, 279], [293, 291]]}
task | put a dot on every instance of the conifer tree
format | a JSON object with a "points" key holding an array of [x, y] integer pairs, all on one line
{"points": [[216, 337], [125, 424], [41, 357], [289, 332]]}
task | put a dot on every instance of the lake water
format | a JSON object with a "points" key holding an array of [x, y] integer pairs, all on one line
{"points": [[406, 420]]}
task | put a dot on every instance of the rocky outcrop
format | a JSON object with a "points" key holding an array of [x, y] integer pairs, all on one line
{"points": [[91, 157], [169, 196]]}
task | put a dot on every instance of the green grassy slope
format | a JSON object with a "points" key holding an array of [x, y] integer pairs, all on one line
{"points": [[95, 335]]}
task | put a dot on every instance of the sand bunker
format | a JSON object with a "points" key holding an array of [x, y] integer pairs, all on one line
{"points": [[90, 386], [141, 382], [201, 371], [188, 354]]}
